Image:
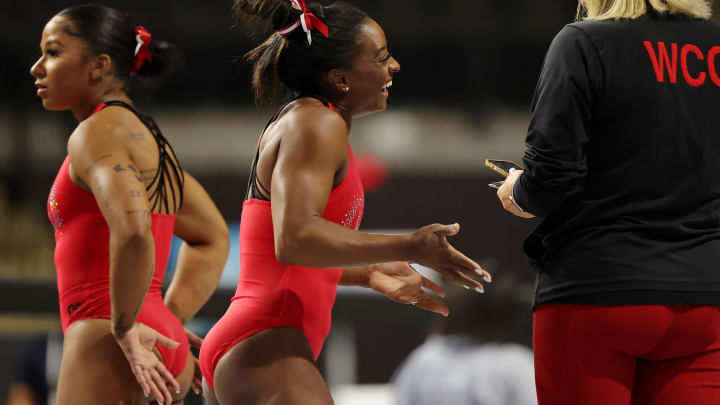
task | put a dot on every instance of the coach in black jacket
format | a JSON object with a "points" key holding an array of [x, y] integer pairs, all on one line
{"points": [[623, 163]]}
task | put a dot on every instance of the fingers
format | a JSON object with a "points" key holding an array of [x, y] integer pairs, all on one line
{"points": [[161, 392], [154, 390], [197, 386], [432, 304], [445, 230], [167, 375], [195, 340], [197, 377], [165, 341], [430, 285], [458, 277], [141, 379], [471, 283], [470, 268]]}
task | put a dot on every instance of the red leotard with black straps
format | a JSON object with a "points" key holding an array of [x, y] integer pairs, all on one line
{"points": [[82, 261], [271, 294]]}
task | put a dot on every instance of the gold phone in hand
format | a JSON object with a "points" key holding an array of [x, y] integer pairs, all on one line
{"points": [[502, 167]]}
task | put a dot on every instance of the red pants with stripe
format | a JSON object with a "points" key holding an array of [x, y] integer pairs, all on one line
{"points": [[627, 355]]}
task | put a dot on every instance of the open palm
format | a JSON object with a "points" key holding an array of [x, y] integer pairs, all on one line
{"points": [[137, 344], [401, 283]]}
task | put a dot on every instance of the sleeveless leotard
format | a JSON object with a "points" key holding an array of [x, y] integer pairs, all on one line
{"points": [[271, 294], [82, 253]]}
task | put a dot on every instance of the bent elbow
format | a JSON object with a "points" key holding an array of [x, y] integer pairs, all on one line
{"points": [[222, 239], [131, 236], [284, 254], [287, 248]]}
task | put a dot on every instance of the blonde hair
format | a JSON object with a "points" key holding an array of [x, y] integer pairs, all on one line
{"points": [[613, 9]]}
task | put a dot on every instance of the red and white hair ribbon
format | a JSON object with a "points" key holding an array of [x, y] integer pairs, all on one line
{"points": [[307, 20], [142, 51]]}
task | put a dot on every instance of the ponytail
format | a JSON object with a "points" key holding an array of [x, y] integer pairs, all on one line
{"points": [[295, 63]]}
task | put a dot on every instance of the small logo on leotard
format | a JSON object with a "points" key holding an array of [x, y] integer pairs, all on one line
{"points": [[72, 308]]}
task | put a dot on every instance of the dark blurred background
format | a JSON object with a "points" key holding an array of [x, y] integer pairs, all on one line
{"points": [[469, 69]]}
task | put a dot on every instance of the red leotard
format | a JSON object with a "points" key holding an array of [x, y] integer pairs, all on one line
{"points": [[82, 260], [271, 294]]}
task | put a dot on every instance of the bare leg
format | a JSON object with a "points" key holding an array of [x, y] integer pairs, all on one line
{"points": [[272, 367], [95, 371], [209, 395]]}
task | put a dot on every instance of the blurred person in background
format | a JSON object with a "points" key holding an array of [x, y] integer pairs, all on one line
{"points": [[117, 199], [37, 372], [467, 361], [623, 163], [298, 232]]}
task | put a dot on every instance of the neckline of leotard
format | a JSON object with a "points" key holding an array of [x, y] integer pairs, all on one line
{"points": [[167, 166], [254, 183]]}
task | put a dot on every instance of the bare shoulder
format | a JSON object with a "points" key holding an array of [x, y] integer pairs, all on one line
{"points": [[108, 128], [315, 125]]}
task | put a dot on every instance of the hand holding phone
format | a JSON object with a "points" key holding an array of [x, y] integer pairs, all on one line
{"points": [[502, 167]]}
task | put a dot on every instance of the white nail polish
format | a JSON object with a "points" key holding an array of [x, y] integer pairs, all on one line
{"points": [[487, 278], [480, 290], [466, 287]]}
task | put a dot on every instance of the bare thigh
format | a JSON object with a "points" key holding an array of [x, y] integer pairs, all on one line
{"points": [[184, 379], [272, 367], [94, 370]]}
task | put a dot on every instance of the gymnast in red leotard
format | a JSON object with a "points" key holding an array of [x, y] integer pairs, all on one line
{"points": [[115, 204], [298, 231]]}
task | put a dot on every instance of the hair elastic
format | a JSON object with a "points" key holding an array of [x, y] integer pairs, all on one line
{"points": [[307, 20], [142, 50]]}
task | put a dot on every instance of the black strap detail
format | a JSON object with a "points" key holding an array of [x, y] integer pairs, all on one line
{"points": [[167, 166], [254, 184]]}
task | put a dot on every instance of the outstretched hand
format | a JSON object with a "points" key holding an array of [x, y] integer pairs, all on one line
{"points": [[401, 283], [196, 342], [137, 344], [434, 251]]}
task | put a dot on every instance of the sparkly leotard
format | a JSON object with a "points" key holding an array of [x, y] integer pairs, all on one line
{"points": [[271, 294], [82, 254]]}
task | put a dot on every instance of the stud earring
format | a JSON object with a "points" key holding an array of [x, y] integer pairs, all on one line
{"points": [[346, 88]]}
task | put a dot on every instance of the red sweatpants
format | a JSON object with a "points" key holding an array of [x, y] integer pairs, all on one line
{"points": [[627, 355]]}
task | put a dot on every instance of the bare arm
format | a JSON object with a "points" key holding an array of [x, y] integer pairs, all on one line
{"points": [[302, 180], [100, 159], [399, 282], [202, 255]]}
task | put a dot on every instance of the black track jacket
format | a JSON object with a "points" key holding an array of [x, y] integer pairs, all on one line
{"points": [[623, 161]]}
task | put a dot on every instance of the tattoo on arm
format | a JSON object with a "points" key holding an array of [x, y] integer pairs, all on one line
{"points": [[87, 171], [119, 168], [120, 327], [134, 193], [99, 193], [131, 167], [138, 178]]}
